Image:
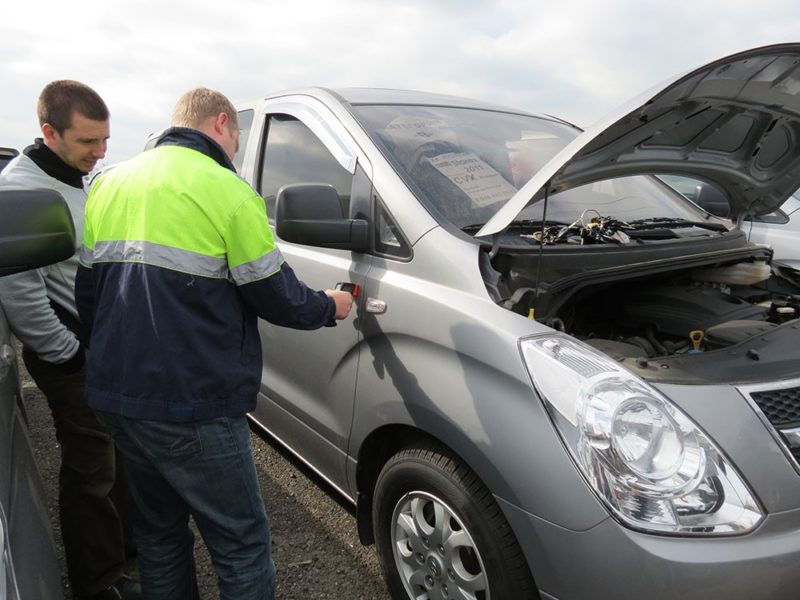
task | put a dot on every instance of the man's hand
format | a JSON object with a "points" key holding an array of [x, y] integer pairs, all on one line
{"points": [[344, 302]]}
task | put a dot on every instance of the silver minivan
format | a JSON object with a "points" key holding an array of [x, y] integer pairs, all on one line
{"points": [[562, 379]]}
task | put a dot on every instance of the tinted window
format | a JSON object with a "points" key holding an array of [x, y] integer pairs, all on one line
{"points": [[6, 154], [293, 154]]}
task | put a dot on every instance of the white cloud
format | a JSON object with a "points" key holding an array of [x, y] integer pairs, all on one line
{"points": [[574, 58]]}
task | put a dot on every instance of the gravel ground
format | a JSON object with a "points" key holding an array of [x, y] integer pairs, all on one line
{"points": [[315, 543]]}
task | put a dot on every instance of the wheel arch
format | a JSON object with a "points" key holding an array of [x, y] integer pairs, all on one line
{"points": [[376, 449], [390, 440], [374, 452]]}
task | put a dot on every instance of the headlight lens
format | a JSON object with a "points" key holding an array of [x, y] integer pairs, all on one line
{"points": [[651, 465]]}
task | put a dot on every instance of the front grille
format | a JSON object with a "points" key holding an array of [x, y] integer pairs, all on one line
{"points": [[781, 407]]}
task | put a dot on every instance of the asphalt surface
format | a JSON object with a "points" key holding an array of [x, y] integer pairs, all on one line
{"points": [[315, 543]]}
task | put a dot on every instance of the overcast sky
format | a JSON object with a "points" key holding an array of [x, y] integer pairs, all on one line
{"points": [[576, 59]]}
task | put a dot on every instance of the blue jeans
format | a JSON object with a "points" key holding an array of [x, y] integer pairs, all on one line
{"points": [[204, 469]]}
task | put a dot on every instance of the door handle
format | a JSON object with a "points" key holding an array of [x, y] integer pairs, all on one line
{"points": [[374, 305]]}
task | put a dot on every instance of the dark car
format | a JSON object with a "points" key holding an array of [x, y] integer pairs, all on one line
{"points": [[36, 229]]}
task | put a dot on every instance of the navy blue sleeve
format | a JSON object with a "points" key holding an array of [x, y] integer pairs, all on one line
{"points": [[84, 299], [284, 300]]}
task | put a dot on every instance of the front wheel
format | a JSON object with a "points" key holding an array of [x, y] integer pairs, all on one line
{"points": [[441, 536]]}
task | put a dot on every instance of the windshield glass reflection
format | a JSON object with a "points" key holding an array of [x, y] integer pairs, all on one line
{"points": [[464, 164]]}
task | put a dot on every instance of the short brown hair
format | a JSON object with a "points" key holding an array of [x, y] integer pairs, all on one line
{"points": [[198, 105], [60, 99]]}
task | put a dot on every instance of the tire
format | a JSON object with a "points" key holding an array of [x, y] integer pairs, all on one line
{"points": [[440, 534]]}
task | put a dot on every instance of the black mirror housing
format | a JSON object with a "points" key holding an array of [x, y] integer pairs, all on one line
{"points": [[36, 229], [311, 214]]}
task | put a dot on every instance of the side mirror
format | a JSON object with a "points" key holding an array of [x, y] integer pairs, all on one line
{"points": [[36, 229], [310, 214], [713, 200]]}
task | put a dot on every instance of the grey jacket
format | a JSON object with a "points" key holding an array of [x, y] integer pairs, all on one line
{"points": [[25, 297]]}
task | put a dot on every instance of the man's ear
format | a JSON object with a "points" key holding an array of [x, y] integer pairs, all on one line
{"points": [[49, 133], [221, 123]]}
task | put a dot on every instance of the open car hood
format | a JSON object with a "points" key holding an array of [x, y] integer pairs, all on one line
{"points": [[734, 122]]}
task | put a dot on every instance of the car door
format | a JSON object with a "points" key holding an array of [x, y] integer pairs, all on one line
{"points": [[28, 559], [309, 377], [36, 230]]}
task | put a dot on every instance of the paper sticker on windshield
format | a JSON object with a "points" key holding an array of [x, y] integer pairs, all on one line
{"points": [[409, 133], [416, 128], [476, 178]]}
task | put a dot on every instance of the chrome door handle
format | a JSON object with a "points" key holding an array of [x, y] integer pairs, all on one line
{"points": [[376, 306]]}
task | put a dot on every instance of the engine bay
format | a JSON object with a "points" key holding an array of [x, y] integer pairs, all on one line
{"points": [[667, 318], [635, 314]]}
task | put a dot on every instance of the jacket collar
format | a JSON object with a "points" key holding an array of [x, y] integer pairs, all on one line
{"points": [[49, 162], [196, 140]]}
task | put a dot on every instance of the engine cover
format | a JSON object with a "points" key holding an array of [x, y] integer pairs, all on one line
{"points": [[679, 310]]}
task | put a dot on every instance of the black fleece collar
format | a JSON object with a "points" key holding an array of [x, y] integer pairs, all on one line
{"points": [[196, 140], [49, 162]]}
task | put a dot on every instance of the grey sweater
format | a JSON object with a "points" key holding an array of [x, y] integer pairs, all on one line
{"points": [[25, 297]]}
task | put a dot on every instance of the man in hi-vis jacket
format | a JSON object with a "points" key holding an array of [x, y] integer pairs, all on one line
{"points": [[178, 262]]}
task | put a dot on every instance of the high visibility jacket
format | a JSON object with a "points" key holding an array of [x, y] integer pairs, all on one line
{"points": [[177, 263]]}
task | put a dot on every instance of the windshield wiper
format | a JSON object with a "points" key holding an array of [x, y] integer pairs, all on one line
{"points": [[673, 223], [517, 224]]}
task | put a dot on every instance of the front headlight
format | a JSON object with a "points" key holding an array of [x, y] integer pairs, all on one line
{"points": [[647, 460]]}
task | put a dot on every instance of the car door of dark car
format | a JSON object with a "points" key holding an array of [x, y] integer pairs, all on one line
{"points": [[36, 230], [28, 560], [309, 377]]}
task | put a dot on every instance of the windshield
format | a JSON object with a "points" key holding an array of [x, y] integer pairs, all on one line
{"points": [[464, 164]]}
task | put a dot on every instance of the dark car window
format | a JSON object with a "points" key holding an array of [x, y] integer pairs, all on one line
{"points": [[6, 154], [293, 154]]}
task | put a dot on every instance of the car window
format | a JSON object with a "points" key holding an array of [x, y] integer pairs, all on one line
{"points": [[245, 122], [293, 154], [777, 217], [388, 239], [6, 154], [713, 200]]}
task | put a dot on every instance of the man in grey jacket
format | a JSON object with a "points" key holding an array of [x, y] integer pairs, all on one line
{"points": [[94, 500]]}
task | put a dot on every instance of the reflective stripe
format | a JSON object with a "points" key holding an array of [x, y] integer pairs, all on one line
{"points": [[159, 255], [261, 268], [85, 257]]}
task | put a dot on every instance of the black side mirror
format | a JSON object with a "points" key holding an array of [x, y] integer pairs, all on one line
{"points": [[713, 200], [36, 229], [311, 214]]}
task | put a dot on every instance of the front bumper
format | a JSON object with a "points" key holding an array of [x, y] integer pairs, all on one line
{"points": [[611, 561]]}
